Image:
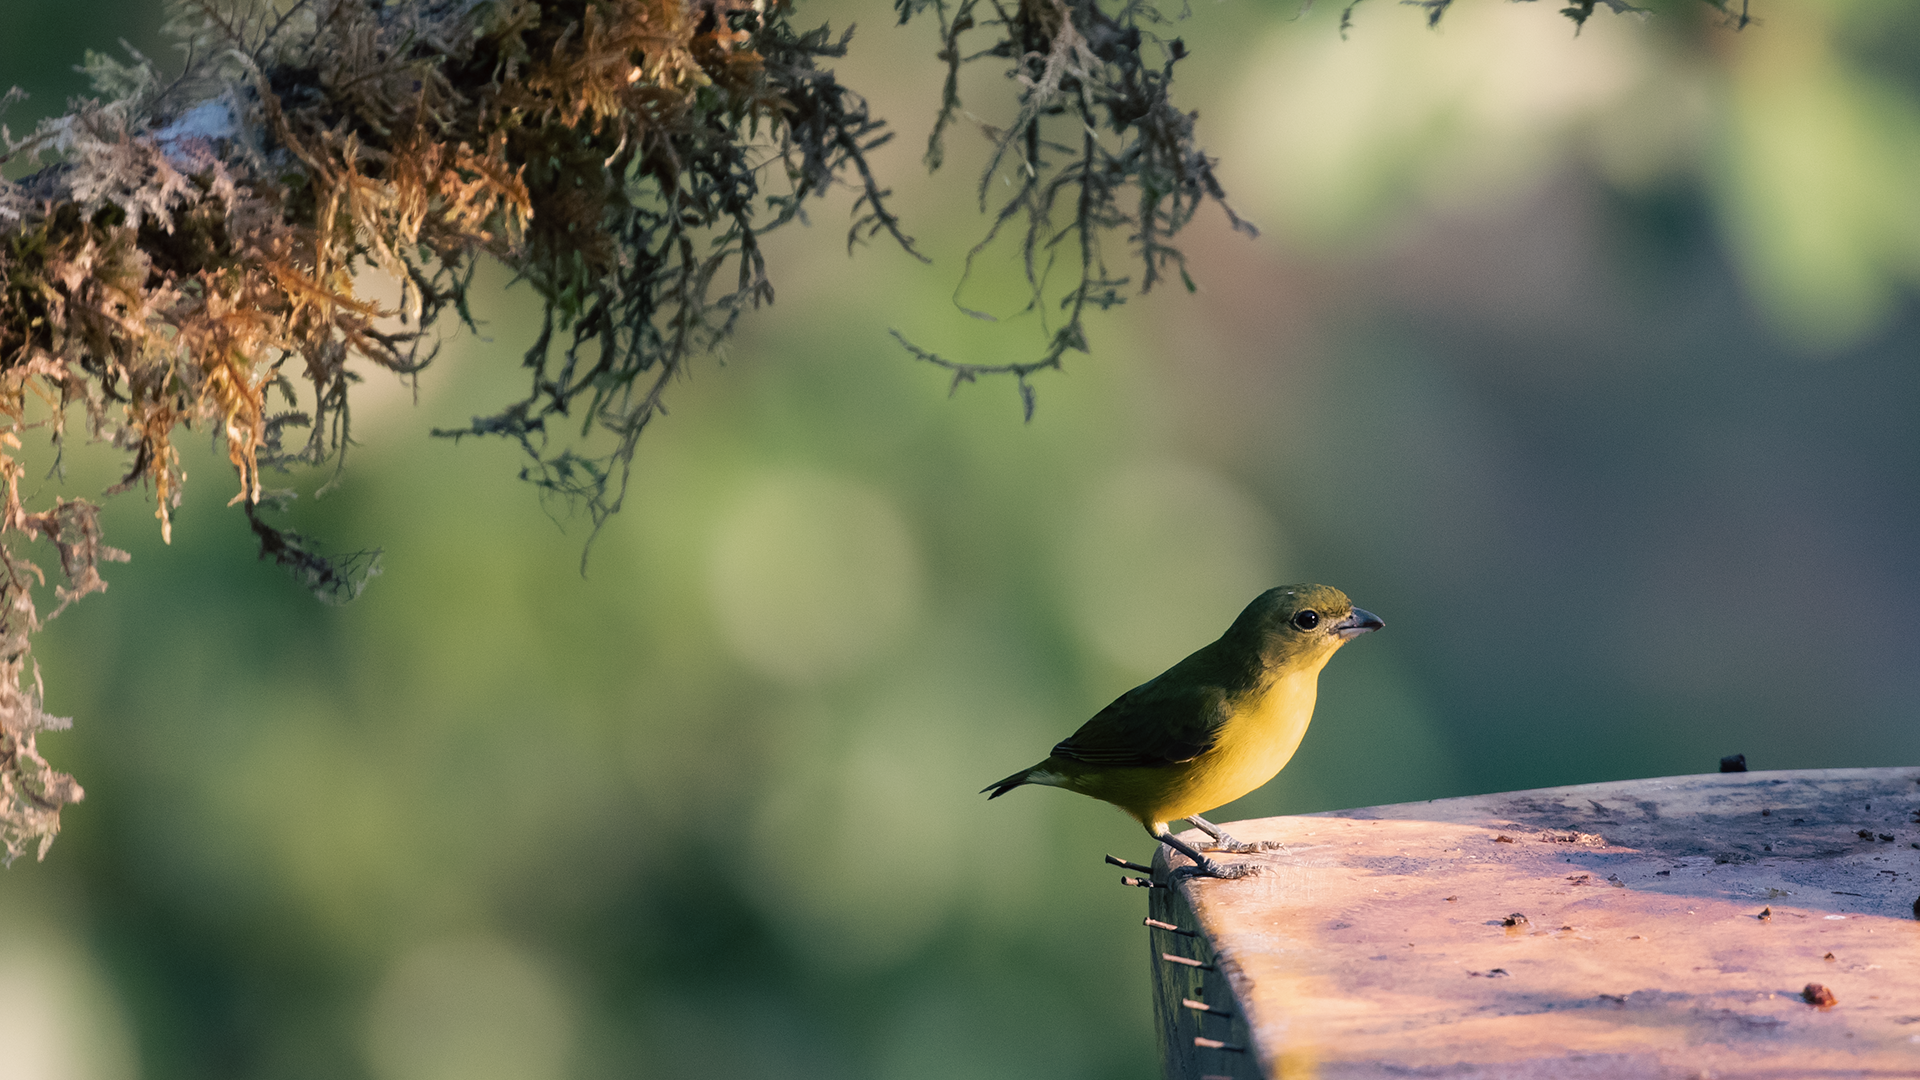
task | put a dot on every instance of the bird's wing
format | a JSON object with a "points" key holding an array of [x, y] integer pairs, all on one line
{"points": [[1160, 722]]}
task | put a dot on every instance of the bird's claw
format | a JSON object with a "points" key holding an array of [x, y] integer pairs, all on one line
{"points": [[1233, 870], [1209, 868], [1244, 847]]}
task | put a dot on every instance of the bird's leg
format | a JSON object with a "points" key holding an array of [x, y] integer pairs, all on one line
{"points": [[1223, 842], [1202, 866]]}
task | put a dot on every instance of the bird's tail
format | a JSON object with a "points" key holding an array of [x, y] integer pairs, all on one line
{"points": [[1016, 780]]}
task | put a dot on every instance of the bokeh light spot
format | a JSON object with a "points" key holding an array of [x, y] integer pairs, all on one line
{"points": [[57, 1020], [873, 836], [1160, 558], [1338, 136], [474, 1009], [812, 575]]}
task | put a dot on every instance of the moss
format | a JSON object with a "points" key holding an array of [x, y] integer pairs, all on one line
{"points": [[190, 247], [188, 253]]}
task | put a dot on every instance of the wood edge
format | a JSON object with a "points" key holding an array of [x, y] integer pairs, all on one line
{"points": [[1195, 1044]]}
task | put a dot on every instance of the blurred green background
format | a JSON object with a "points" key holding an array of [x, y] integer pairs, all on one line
{"points": [[1586, 362]]}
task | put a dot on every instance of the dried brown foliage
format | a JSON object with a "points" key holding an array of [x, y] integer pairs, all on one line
{"points": [[187, 256], [189, 251]]}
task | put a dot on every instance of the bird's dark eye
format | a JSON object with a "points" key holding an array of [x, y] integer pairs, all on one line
{"points": [[1307, 619]]}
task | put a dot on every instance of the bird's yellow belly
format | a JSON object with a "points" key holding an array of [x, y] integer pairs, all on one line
{"points": [[1251, 749]]}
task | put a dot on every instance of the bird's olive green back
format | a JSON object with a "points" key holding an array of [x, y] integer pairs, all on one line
{"points": [[1177, 715]]}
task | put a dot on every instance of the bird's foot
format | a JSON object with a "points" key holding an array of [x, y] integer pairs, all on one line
{"points": [[1243, 847], [1209, 868]]}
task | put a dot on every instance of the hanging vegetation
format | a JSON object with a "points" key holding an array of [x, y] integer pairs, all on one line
{"points": [[192, 249]]}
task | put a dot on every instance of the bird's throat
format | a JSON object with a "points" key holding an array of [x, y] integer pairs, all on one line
{"points": [[1260, 739]]}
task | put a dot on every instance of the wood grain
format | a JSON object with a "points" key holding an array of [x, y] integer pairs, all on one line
{"points": [[1665, 928]]}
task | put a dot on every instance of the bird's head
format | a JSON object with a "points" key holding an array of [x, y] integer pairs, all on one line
{"points": [[1303, 621]]}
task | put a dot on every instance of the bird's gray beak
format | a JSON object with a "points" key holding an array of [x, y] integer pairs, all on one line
{"points": [[1360, 622]]}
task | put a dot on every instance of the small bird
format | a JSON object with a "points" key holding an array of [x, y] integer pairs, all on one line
{"points": [[1212, 727]]}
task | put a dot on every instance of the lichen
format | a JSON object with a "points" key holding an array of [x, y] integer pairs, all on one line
{"points": [[189, 251]]}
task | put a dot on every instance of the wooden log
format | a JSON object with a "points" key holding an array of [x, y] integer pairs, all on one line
{"points": [[1762, 924]]}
